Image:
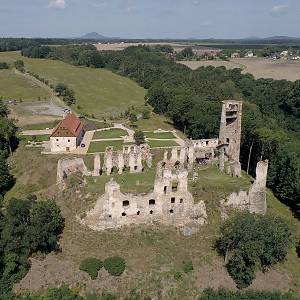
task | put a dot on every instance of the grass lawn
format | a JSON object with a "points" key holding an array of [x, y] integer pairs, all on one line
{"points": [[159, 135], [161, 144], [109, 134], [155, 122], [98, 91], [35, 138], [101, 146], [16, 87]]}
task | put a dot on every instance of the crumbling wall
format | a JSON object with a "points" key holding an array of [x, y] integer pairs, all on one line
{"points": [[67, 166], [170, 203], [254, 199]]}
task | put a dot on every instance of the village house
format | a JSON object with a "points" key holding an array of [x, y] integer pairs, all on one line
{"points": [[67, 135]]}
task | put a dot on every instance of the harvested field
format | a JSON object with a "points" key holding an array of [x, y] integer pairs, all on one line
{"points": [[122, 46], [259, 67]]}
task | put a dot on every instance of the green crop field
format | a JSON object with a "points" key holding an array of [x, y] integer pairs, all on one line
{"points": [[109, 134], [98, 91], [16, 87]]}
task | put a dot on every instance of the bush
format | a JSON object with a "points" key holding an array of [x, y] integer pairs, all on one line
{"points": [[91, 266], [139, 137], [188, 266], [115, 265], [3, 65]]}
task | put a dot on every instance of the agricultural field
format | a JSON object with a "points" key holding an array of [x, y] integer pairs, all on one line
{"points": [[17, 87], [99, 92], [259, 67]]}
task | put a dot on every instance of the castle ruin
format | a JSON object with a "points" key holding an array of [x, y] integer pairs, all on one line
{"points": [[170, 203]]}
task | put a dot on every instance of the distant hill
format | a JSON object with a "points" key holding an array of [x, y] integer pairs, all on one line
{"points": [[96, 36]]}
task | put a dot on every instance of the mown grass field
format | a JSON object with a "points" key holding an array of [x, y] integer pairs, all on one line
{"points": [[109, 134], [162, 143], [99, 92], [159, 135], [15, 87], [100, 146]]}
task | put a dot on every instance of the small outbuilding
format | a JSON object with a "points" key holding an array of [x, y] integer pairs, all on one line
{"points": [[67, 135]]}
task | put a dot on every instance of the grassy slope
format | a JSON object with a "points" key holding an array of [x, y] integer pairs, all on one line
{"points": [[98, 91], [153, 254], [14, 86]]}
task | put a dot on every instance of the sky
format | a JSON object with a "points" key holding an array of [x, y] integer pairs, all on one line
{"points": [[150, 18]]}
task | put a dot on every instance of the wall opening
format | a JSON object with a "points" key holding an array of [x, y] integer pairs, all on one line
{"points": [[165, 189], [171, 211], [181, 200], [123, 214], [227, 140], [151, 202], [174, 186], [109, 216], [173, 200], [135, 168], [126, 203], [151, 212], [138, 213]]}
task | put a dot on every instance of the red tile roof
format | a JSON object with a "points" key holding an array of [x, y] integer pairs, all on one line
{"points": [[70, 126]]}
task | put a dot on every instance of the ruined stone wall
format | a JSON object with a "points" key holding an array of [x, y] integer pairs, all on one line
{"points": [[254, 199], [67, 166], [134, 157], [170, 203]]}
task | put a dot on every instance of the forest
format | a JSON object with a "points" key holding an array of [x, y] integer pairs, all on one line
{"points": [[192, 100]]}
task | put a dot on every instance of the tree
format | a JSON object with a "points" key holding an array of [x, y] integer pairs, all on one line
{"points": [[252, 242], [139, 137], [6, 179], [8, 131], [132, 117], [60, 89], [19, 65], [187, 52]]}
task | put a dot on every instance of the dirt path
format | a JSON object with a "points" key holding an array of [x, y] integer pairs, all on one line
{"points": [[37, 132]]}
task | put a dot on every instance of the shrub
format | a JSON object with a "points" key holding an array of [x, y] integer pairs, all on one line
{"points": [[115, 265], [139, 137], [91, 266], [188, 266], [177, 275]]}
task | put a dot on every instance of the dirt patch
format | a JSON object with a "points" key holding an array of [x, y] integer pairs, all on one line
{"points": [[216, 276]]}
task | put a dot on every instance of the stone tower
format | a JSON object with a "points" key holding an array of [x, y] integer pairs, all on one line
{"points": [[230, 129]]}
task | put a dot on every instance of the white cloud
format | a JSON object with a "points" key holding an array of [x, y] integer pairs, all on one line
{"points": [[281, 8], [57, 4]]}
